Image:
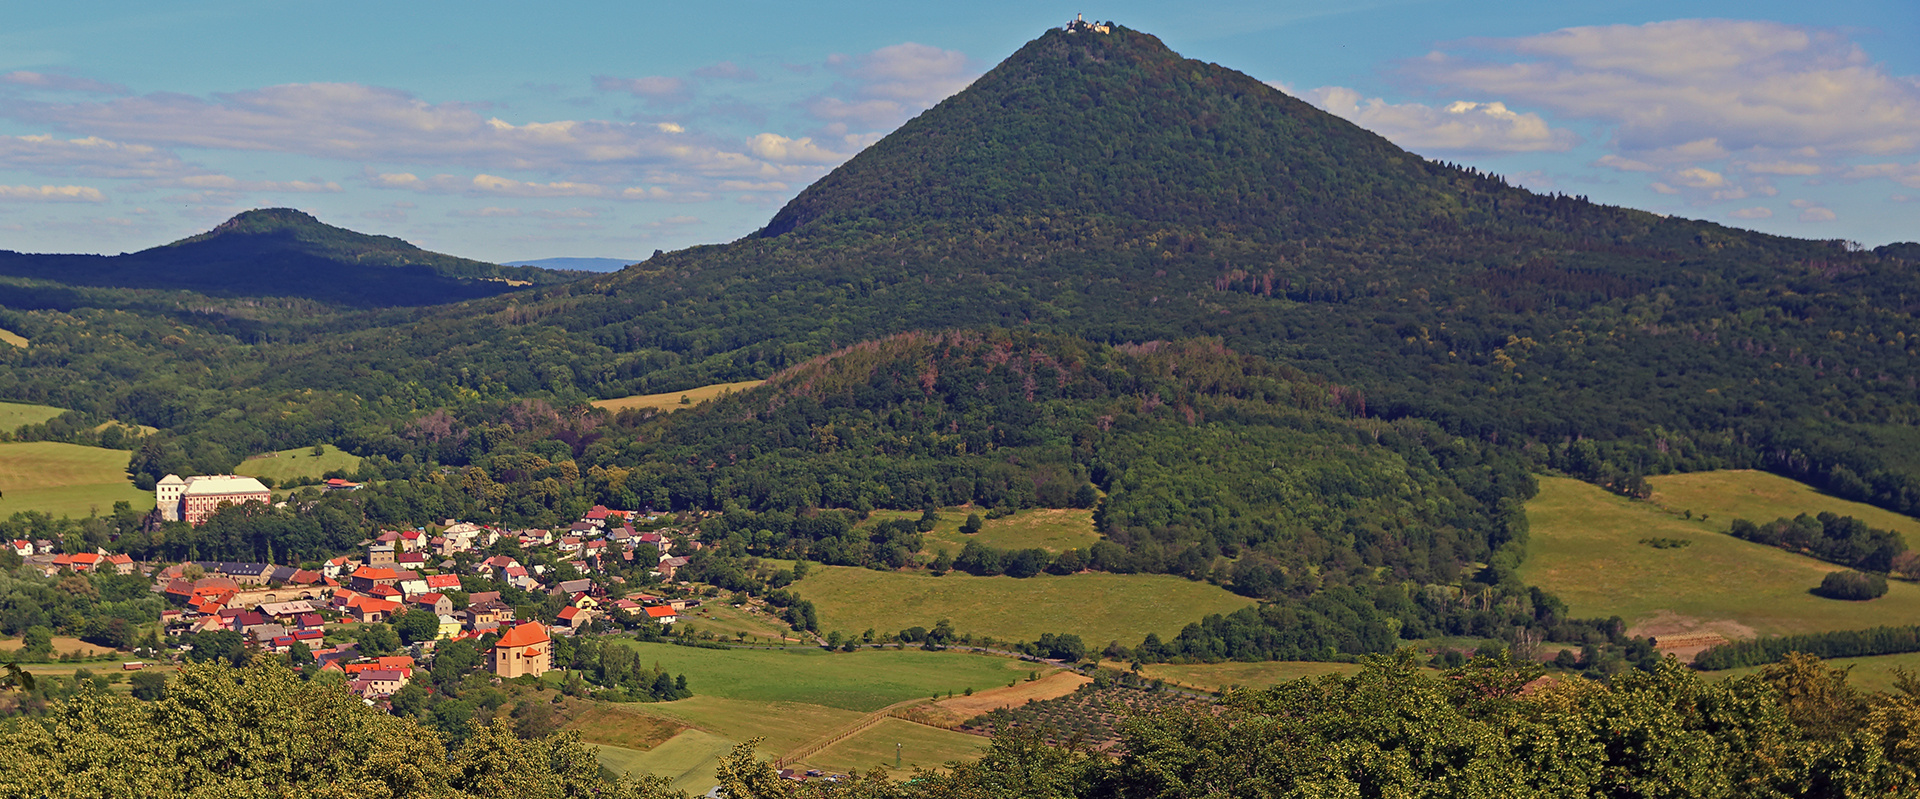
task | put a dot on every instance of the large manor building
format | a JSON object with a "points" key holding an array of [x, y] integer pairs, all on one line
{"points": [[195, 498]]}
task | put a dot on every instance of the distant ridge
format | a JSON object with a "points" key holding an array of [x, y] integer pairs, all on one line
{"points": [[283, 252], [578, 264]]}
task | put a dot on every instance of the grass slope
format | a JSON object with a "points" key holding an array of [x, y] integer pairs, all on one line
{"points": [[65, 479], [1585, 548], [862, 681], [670, 401], [1869, 673], [10, 337], [1761, 497], [920, 746], [15, 414], [1097, 607], [687, 760], [1051, 529], [298, 464]]}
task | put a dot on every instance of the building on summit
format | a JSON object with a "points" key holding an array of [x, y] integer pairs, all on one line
{"points": [[1080, 23], [525, 649], [193, 499]]}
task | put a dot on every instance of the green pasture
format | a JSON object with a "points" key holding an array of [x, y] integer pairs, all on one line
{"points": [[1095, 606], [65, 479], [724, 619], [1051, 529], [1761, 497], [1869, 673], [671, 400], [15, 414], [1585, 548], [687, 760], [1218, 676], [298, 465], [862, 681], [920, 747]]}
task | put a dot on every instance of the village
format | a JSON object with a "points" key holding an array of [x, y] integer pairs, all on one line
{"points": [[444, 572]]}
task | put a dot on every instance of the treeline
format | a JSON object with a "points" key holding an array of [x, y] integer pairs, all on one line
{"points": [[1837, 644], [1838, 539]]}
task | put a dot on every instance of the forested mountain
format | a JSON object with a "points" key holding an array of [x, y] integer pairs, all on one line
{"points": [[281, 252], [1100, 186]]}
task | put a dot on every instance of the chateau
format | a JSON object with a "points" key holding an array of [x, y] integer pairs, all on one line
{"points": [[195, 498]]}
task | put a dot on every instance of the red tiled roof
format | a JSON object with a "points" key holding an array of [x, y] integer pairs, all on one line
{"points": [[524, 635], [660, 611], [374, 573], [444, 581]]}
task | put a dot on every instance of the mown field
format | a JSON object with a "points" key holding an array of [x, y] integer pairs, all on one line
{"points": [[1097, 607], [1585, 548], [727, 620], [15, 414], [786, 697], [1051, 529], [65, 479], [1761, 497], [920, 746], [298, 465], [10, 337], [671, 400], [1869, 673], [1219, 676]]}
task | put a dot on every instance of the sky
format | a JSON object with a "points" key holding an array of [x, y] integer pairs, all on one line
{"points": [[511, 131]]}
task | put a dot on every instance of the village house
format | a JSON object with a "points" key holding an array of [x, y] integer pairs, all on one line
{"points": [[366, 577], [438, 604], [193, 499], [450, 626], [523, 650], [663, 614]]}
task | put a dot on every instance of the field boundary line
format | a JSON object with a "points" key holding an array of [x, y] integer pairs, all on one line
{"points": [[810, 748]]}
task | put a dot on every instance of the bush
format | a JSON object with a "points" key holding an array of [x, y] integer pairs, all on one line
{"points": [[1853, 586]]}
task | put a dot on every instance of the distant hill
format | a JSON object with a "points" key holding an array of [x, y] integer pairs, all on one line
{"points": [[281, 252], [579, 264]]}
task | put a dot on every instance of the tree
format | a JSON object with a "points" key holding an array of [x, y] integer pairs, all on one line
{"points": [[148, 685], [376, 639], [972, 524], [417, 625]]}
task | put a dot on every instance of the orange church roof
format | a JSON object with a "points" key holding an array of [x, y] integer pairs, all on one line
{"points": [[524, 635]]}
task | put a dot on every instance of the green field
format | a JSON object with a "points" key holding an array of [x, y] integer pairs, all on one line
{"points": [[298, 465], [688, 760], [65, 479], [862, 681], [1585, 548], [1869, 673], [787, 697], [1217, 676], [1761, 497], [670, 400], [719, 617], [15, 414], [1097, 607], [1051, 529], [920, 747]]}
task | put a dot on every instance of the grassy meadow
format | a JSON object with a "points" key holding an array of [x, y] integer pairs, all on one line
{"points": [[1761, 497], [1869, 673], [920, 746], [10, 337], [670, 400], [1585, 548], [718, 617], [787, 698], [15, 414], [1097, 607], [1051, 529], [65, 479], [291, 465]]}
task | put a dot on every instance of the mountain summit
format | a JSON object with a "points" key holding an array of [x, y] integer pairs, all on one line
{"points": [[283, 252]]}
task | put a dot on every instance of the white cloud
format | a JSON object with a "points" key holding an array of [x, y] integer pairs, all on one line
{"points": [[60, 83], [1752, 213], [1817, 215], [91, 156], [1625, 164], [778, 148], [1695, 177], [52, 194], [652, 87], [1904, 174], [1662, 188], [1781, 168], [891, 84], [226, 183], [1742, 84], [1462, 126], [726, 70]]}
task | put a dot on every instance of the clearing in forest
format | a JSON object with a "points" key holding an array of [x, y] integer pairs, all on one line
{"points": [[299, 465], [1098, 607], [1760, 497], [1585, 547], [15, 414], [1052, 529], [669, 401], [10, 337], [65, 479]]}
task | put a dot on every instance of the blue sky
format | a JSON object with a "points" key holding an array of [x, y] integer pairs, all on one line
{"points": [[507, 131]]}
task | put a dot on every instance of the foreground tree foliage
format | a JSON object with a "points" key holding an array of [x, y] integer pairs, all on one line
{"points": [[1489, 728], [261, 731]]}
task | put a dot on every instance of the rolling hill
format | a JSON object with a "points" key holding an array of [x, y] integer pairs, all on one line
{"points": [[281, 252]]}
